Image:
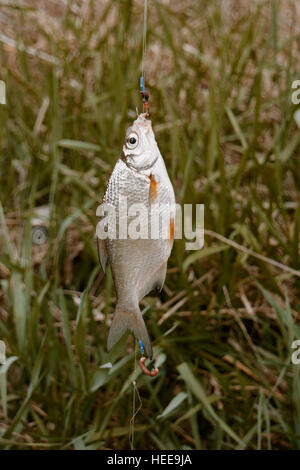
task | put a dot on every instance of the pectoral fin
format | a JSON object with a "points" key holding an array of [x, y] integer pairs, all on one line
{"points": [[153, 190], [102, 253]]}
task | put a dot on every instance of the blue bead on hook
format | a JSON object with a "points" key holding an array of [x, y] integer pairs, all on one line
{"points": [[141, 346], [142, 84], [142, 360], [145, 96]]}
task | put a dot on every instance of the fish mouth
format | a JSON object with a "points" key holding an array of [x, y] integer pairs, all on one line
{"points": [[142, 120]]}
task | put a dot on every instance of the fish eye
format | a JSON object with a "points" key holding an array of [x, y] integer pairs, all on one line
{"points": [[132, 140]]}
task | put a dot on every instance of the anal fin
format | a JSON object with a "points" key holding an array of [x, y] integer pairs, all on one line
{"points": [[155, 282], [161, 276]]}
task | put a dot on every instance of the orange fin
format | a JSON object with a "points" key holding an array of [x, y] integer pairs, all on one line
{"points": [[153, 191], [171, 229]]}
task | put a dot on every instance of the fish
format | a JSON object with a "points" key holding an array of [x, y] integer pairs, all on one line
{"points": [[139, 262]]}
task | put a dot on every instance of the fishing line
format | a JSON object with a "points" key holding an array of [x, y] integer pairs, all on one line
{"points": [[136, 394], [134, 410], [144, 94], [144, 39]]}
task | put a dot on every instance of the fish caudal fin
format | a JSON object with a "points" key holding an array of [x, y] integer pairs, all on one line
{"points": [[129, 320]]}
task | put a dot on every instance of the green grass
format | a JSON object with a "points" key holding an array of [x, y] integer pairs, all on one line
{"points": [[220, 85]]}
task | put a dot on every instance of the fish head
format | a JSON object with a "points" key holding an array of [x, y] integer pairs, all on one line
{"points": [[140, 150]]}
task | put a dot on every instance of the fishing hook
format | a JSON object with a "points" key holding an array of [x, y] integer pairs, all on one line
{"points": [[146, 371], [145, 97]]}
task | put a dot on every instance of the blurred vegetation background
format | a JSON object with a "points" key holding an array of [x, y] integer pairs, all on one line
{"points": [[219, 75]]}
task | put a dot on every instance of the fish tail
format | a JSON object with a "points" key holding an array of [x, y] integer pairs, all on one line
{"points": [[129, 320]]}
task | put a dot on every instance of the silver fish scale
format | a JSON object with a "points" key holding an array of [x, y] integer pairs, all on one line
{"points": [[135, 263], [135, 187]]}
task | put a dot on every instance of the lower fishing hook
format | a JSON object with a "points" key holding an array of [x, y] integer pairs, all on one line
{"points": [[145, 370]]}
